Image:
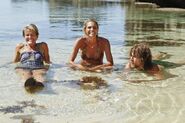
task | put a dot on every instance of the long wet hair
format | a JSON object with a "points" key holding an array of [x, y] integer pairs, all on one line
{"points": [[143, 52], [31, 27]]}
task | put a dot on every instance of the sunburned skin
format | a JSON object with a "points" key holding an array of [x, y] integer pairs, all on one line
{"points": [[92, 48]]}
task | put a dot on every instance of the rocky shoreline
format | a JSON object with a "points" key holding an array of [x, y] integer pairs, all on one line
{"points": [[166, 3]]}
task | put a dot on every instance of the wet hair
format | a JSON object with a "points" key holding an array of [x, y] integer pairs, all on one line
{"points": [[143, 52], [31, 27], [32, 86], [90, 20]]}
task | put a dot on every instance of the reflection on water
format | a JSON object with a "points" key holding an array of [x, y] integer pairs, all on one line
{"points": [[124, 24], [68, 17], [160, 25]]}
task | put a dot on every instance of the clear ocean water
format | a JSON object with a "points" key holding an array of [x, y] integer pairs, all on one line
{"points": [[63, 100]]}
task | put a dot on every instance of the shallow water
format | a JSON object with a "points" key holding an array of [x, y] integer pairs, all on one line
{"points": [[60, 23]]}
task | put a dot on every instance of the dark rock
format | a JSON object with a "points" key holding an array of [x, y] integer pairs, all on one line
{"points": [[167, 3]]}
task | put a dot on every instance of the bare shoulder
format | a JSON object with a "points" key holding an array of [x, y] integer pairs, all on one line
{"points": [[103, 41], [155, 69], [42, 45], [80, 41], [160, 67], [19, 46]]}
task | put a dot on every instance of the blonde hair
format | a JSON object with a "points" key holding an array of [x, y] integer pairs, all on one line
{"points": [[31, 27], [90, 20]]}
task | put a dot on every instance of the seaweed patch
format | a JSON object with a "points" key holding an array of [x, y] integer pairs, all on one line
{"points": [[92, 82], [20, 108], [12, 109], [24, 118]]}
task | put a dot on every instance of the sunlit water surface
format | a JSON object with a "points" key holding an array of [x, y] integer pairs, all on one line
{"points": [[60, 23]]}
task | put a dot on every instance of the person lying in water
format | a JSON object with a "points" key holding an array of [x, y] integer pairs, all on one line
{"points": [[141, 59], [92, 49], [31, 57]]}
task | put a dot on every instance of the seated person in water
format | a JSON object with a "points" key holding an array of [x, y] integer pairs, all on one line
{"points": [[141, 59], [32, 56], [92, 48]]}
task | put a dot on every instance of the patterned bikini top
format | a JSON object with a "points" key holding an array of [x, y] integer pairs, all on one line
{"points": [[32, 59]]}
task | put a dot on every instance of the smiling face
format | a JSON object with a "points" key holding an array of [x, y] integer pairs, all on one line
{"points": [[30, 33], [91, 28], [30, 37]]}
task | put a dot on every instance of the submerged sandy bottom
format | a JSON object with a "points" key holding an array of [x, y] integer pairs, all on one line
{"points": [[63, 101]]}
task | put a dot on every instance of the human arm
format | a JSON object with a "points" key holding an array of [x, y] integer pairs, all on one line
{"points": [[45, 51], [107, 49], [78, 44], [17, 52], [108, 55]]}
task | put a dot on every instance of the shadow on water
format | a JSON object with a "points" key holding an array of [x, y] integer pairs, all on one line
{"points": [[159, 59], [70, 83], [85, 83], [168, 65]]}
